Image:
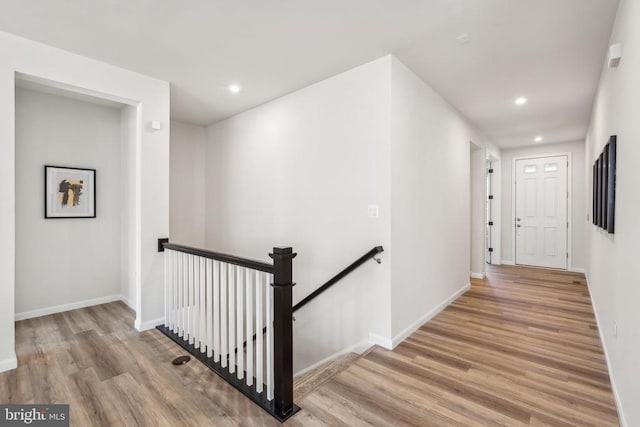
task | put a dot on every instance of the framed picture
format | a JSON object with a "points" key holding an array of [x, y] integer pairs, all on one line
{"points": [[604, 187], [69, 192], [599, 194], [594, 199], [611, 184]]}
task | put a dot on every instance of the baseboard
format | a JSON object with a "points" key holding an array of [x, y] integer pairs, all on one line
{"points": [[622, 419], [149, 324], [507, 262], [381, 341], [66, 307], [577, 270], [128, 303], [359, 348], [477, 275], [428, 316], [9, 364]]}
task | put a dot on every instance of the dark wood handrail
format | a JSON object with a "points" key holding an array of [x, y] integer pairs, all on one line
{"points": [[373, 252], [357, 263], [229, 259]]}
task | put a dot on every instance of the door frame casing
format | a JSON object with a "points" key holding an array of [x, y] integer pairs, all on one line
{"points": [[569, 205]]}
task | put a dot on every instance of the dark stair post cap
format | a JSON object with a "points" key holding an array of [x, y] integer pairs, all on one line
{"points": [[283, 252]]}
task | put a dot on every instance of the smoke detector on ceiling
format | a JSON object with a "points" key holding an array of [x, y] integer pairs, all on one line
{"points": [[615, 54]]}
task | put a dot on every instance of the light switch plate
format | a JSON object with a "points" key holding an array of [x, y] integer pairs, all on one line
{"points": [[373, 211]]}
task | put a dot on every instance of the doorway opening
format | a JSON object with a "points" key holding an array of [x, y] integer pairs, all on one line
{"points": [[66, 260]]}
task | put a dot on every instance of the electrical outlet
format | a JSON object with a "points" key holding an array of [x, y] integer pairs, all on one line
{"points": [[373, 211]]}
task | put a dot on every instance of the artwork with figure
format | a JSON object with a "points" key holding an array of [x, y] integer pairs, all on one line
{"points": [[70, 192]]}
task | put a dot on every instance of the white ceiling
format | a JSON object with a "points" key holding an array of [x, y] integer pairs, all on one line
{"points": [[550, 51]]}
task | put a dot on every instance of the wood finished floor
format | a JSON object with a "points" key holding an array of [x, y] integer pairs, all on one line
{"points": [[520, 348]]}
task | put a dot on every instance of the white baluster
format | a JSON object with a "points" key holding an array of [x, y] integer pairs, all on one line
{"points": [[167, 287], [232, 319], [172, 290], [191, 300], [259, 335], [209, 298], [239, 323], [216, 311], [224, 284], [269, 321], [181, 313], [179, 323], [196, 301], [203, 306], [249, 284], [185, 297]]}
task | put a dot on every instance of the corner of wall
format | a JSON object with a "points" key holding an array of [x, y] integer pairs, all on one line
{"points": [[9, 363]]}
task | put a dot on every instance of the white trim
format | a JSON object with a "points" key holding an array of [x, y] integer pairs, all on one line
{"points": [[66, 307], [150, 324], [358, 348], [577, 270], [622, 419], [496, 214], [569, 203], [428, 316], [381, 341], [42, 81], [125, 300], [9, 364], [477, 275], [508, 262]]}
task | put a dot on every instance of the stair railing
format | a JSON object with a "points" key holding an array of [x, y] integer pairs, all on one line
{"points": [[235, 315], [214, 301]]}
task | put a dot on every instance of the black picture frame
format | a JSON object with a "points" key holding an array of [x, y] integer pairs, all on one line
{"points": [[594, 195], [611, 184], [604, 187], [599, 191], [84, 184]]}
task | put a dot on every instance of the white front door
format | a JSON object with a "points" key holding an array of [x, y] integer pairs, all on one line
{"points": [[541, 224]]}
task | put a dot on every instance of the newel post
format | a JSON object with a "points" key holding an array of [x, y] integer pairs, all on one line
{"points": [[283, 330]]}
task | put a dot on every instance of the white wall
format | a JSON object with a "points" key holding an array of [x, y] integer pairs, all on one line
{"points": [[187, 195], [150, 97], [75, 259], [612, 260], [300, 171], [577, 252], [129, 242], [430, 208]]}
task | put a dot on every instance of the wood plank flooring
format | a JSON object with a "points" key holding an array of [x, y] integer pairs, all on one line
{"points": [[520, 348]]}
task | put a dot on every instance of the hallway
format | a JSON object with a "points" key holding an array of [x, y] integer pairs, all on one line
{"points": [[519, 348]]}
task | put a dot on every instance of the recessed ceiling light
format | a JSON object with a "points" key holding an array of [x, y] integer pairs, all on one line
{"points": [[234, 88], [521, 100], [538, 139]]}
